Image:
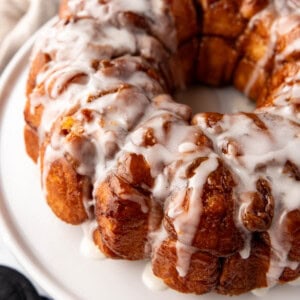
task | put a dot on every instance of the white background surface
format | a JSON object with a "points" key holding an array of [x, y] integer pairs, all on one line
{"points": [[46, 247]]}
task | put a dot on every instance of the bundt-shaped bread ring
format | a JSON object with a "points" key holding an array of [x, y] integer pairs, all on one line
{"points": [[211, 199]]}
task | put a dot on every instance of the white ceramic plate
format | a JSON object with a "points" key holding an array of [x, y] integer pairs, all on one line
{"points": [[46, 247]]}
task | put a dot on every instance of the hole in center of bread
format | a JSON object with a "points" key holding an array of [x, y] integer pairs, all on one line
{"points": [[208, 99]]}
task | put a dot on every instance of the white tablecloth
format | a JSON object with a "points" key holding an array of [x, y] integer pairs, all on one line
{"points": [[19, 19]]}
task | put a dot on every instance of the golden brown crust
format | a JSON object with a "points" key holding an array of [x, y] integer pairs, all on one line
{"points": [[241, 275], [186, 58], [216, 61], [292, 234], [122, 221], [242, 77], [184, 12], [222, 18], [98, 240], [253, 47], [217, 233], [38, 64], [276, 83], [202, 275], [33, 117], [258, 216], [249, 8], [31, 143], [289, 275], [287, 39], [254, 43], [65, 192], [136, 170]]}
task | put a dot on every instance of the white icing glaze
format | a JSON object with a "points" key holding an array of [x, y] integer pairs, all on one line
{"points": [[110, 11], [186, 147], [90, 250], [87, 245], [151, 281], [126, 106], [277, 145], [246, 251], [184, 254], [285, 7], [260, 292], [106, 12], [186, 221]]}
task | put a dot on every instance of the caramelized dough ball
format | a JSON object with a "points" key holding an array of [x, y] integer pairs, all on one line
{"points": [[202, 274]]}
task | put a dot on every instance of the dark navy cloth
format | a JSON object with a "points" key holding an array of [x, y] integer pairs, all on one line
{"points": [[15, 286]]}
